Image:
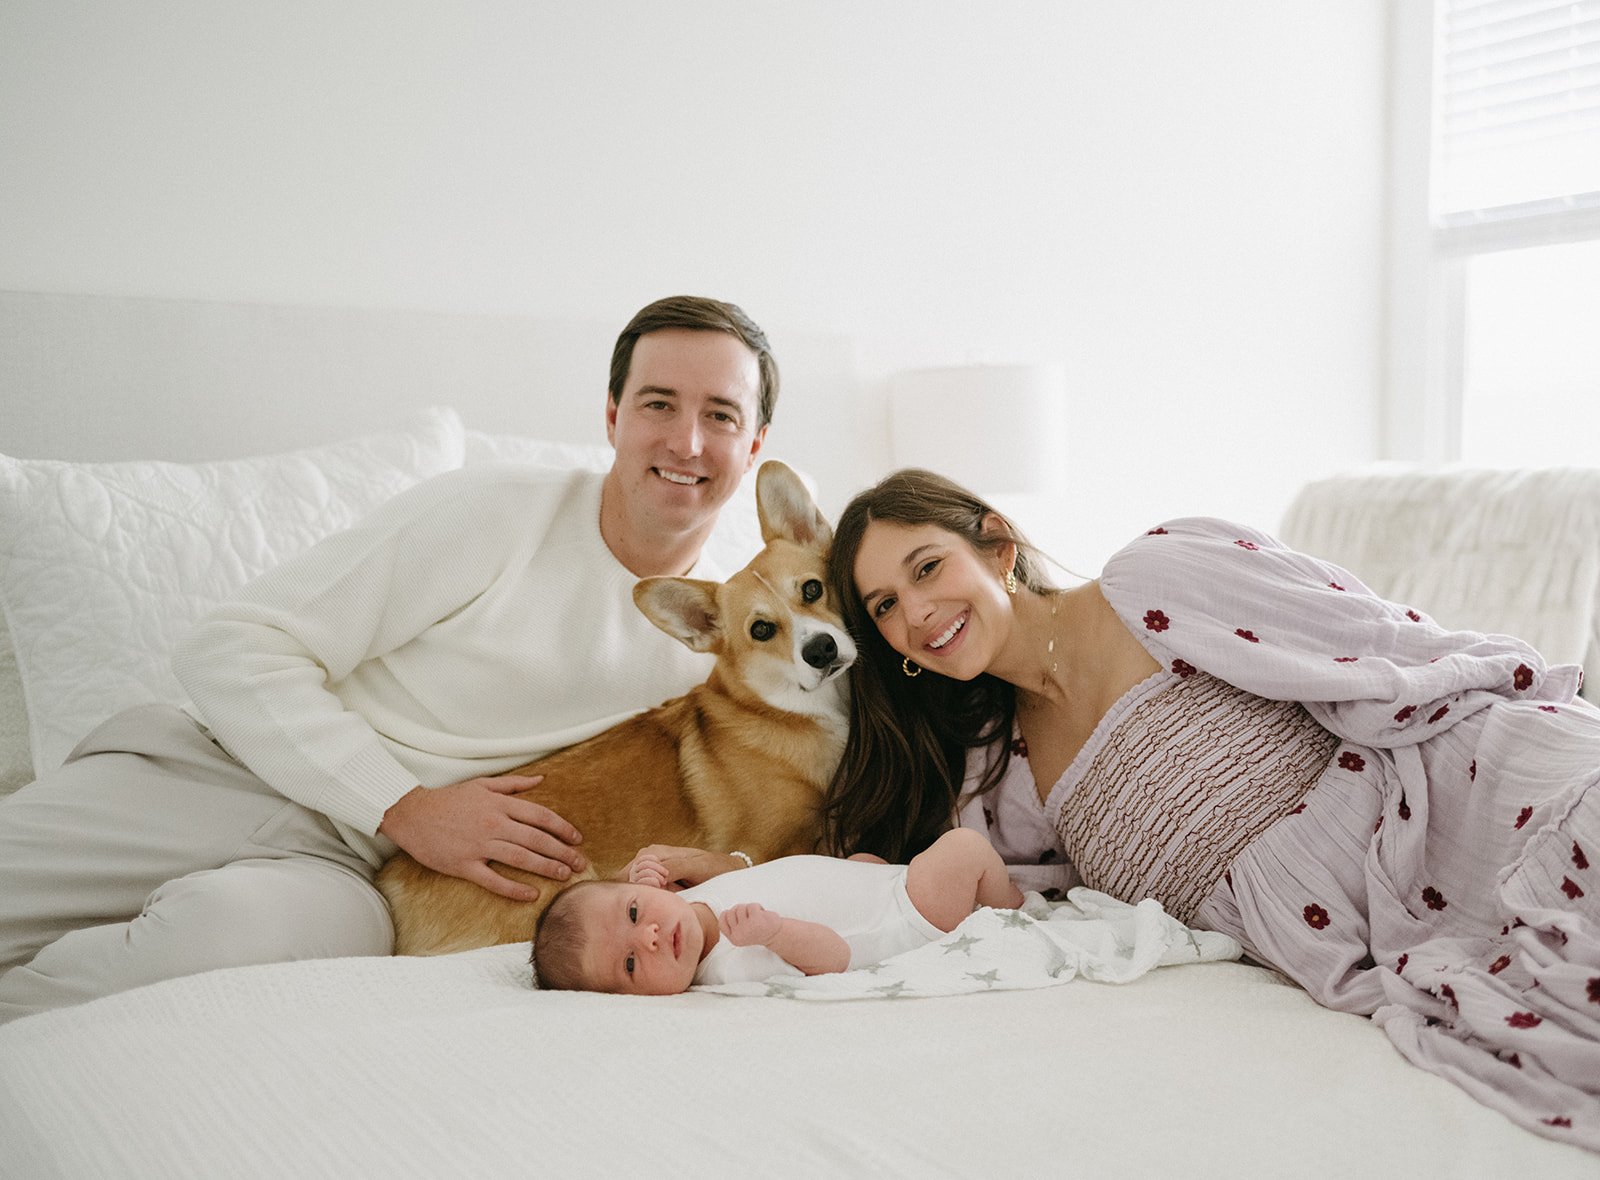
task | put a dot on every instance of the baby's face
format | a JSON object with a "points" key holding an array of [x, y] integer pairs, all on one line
{"points": [[641, 940]]}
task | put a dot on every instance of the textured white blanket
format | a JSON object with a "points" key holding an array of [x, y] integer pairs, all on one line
{"points": [[1499, 551]]}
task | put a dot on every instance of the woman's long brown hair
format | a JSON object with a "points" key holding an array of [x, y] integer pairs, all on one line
{"points": [[899, 783]]}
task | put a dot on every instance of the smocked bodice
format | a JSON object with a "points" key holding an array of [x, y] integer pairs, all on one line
{"points": [[1179, 776]]}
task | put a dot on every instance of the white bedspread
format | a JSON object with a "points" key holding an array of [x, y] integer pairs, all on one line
{"points": [[455, 1066]]}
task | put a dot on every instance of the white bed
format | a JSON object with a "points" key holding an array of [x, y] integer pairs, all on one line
{"points": [[455, 1066]]}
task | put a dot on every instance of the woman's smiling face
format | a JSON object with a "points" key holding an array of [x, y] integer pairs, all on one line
{"points": [[933, 597]]}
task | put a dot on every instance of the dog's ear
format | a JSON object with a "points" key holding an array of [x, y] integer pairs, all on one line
{"points": [[786, 508], [685, 608]]}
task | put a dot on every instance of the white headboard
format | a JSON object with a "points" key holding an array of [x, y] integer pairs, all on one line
{"points": [[93, 378]]}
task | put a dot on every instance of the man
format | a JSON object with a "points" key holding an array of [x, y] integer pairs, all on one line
{"points": [[362, 695]]}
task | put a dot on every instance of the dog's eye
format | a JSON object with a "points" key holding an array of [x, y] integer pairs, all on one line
{"points": [[811, 591], [761, 630]]}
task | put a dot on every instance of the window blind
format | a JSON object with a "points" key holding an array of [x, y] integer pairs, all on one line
{"points": [[1517, 109]]}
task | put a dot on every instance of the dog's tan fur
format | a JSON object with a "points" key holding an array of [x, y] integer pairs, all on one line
{"points": [[738, 762]]}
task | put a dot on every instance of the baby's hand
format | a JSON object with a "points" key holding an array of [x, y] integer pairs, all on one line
{"points": [[750, 924], [645, 869]]}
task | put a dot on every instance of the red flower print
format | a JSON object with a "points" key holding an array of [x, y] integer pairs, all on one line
{"points": [[1156, 532], [1298, 808], [1154, 620], [1404, 715], [1438, 713], [1335, 586], [1548, 709], [1514, 1059], [1413, 616], [1433, 899], [1247, 545], [1559, 1120], [1448, 995], [1570, 888], [1377, 825], [1345, 659], [1472, 771], [1579, 861], [1249, 635], [1524, 1020], [1499, 964], [1594, 990], [1184, 668], [1400, 963], [1404, 809], [1316, 917], [1523, 817], [1350, 760], [1522, 678], [1019, 747]]}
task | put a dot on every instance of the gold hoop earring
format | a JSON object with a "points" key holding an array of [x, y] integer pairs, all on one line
{"points": [[1011, 580], [911, 670]]}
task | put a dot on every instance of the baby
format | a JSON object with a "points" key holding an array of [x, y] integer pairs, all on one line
{"points": [[825, 915]]}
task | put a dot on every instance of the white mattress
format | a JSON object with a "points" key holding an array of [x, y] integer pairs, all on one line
{"points": [[456, 1067]]}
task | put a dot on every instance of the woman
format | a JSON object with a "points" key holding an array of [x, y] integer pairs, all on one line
{"points": [[1398, 817]]}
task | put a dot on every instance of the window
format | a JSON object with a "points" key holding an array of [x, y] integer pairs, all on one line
{"points": [[1495, 290]]}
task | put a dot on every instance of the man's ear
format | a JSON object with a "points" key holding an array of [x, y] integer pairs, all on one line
{"points": [[755, 449], [611, 419]]}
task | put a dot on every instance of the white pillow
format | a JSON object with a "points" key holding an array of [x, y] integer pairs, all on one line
{"points": [[736, 539], [103, 566], [16, 762]]}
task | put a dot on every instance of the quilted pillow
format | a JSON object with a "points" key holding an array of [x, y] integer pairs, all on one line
{"points": [[104, 565]]}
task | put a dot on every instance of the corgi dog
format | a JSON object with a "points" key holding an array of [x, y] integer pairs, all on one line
{"points": [[738, 762]]}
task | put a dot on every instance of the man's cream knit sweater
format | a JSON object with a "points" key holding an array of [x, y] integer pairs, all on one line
{"points": [[467, 626]]}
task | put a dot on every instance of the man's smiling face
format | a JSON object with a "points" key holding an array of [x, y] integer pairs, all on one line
{"points": [[684, 429]]}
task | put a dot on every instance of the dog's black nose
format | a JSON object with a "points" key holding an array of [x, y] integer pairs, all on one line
{"points": [[820, 651]]}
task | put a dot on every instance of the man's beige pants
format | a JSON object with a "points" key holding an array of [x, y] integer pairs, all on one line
{"points": [[152, 854]]}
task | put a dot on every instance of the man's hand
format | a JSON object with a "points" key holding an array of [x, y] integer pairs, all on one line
{"points": [[459, 829], [677, 868], [750, 924]]}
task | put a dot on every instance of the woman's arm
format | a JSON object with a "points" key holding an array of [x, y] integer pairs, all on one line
{"points": [[668, 867]]}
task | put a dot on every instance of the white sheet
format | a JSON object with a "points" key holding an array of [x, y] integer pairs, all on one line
{"points": [[455, 1066]]}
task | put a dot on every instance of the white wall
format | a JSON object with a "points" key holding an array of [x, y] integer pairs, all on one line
{"points": [[1180, 201]]}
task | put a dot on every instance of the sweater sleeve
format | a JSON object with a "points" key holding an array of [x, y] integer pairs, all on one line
{"points": [[1205, 595], [259, 669]]}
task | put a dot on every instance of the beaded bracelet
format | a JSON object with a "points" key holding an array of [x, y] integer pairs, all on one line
{"points": [[744, 856]]}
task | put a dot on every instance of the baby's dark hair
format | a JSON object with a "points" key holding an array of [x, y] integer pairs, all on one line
{"points": [[558, 941]]}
